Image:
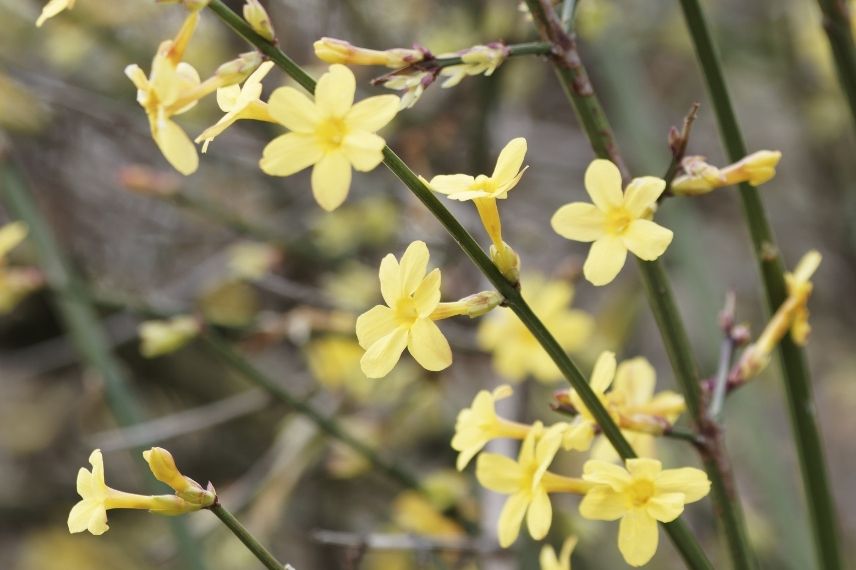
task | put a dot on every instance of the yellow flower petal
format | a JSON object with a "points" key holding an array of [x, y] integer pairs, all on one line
{"points": [[451, 183], [603, 373], [427, 295], [637, 537], [334, 93], [372, 114], [693, 483], [509, 161], [176, 146], [331, 180], [383, 355], [614, 476], [665, 507], [293, 110], [390, 280], [364, 150], [511, 517], [605, 260], [88, 515], [414, 263], [428, 346], [646, 239], [635, 378], [642, 193], [603, 504], [603, 183], [374, 324], [579, 221], [539, 517], [498, 473], [290, 153], [644, 467], [227, 97]]}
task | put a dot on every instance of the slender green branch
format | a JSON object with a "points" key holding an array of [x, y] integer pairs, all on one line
{"points": [[569, 8], [680, 535], [794, 368], [837, 24], [83, 326], [245, 536]]}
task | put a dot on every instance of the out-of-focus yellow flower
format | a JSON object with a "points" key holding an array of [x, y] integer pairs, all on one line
{"points": [[15, 283], [405, 321], [615, 222], [334, 362], [258, 19], [158, 338], [479, 424], [548, 559], [331, 133], [53, 8], [415, 514], [477, 60], [332, 50], [239, 103], [90, 513], [639, 495], [701, 177], [528, 483], [791, 316], [516, 352], [252, 260]]}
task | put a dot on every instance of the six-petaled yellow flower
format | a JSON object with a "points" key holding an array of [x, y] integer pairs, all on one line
{"points": [[405, 322], [615, 222], [479, 424], [639, 495], [331, 133], [516, 352]]}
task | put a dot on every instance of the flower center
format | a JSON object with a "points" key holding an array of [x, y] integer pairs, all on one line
{"points": [[484, 183], [330, 133], [617, 221], [405, 311], [640, 491]]}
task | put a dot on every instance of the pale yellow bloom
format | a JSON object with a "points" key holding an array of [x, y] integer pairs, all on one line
{"points": [[239, 103], [258, 19], [701, 177], [548, 560], [161, 337], [405, 322], [477, 60], [332, 50], [479, 424], [516, 352], [415, 514], [615, 222], [528, 483], [639, 495], [53, 8], [331, 133]]}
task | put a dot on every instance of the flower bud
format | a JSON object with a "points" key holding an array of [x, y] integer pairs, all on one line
{"points": [[238, 69], [756, 169], [507, 261], [258, 19], [699, 178], [332, 50], [164, 469]]}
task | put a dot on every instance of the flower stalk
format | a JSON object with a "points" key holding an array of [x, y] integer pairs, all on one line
{"points": [[245, 536]]}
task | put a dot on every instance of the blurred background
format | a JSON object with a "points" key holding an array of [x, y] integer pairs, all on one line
{"points": [[139, 235]]}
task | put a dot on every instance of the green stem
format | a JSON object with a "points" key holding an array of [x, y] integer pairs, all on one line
{"points": [[83, 326], [253, 545], [796, 376], [680, 535], [836, 23]]}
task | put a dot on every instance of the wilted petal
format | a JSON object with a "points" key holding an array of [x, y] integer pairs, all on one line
{"points": [[605, 260], [579, 221], [331, 180], [646, 239]]}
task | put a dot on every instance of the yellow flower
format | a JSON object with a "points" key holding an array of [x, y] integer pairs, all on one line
{"points": [[516, 353], [258, 19], [252, 260], [639, 495], [580, 433], [158, 338], [332, 133], [477, 60], [53, 8], [332, 50], [615, 222], [548, 559], [405, 321], [90, 513], [528, 483], [239, 103], [416, 514], [479, 424]]}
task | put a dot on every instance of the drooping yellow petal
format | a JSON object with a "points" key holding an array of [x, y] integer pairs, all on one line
{"points": [[642, 193], [637, 537], [509, 162], [374, 324], [539, 517], [331, 180], [603, 184], [334, 93], [383, 355], [428, 346], [290, 153], [605, 260], [579, 221], [603, 504], [603, 373], [372, 114], [646, 239], [176, 146], [364, 150], [293, 110], [414, 263], [511, 518]]}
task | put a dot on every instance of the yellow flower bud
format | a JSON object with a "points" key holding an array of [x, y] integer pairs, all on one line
{"points": [[756, 169], [164, 469], [507, 261], [258, 19], [238, 69], [700, 177], [473, 306], [333, 50], [163, 337]]}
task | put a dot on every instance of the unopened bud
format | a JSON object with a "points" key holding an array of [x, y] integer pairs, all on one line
{"points": [[164, 469], [258, 19], [333, 50], [699, 177], [507, 261], [238, 69], [756, 169]]}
